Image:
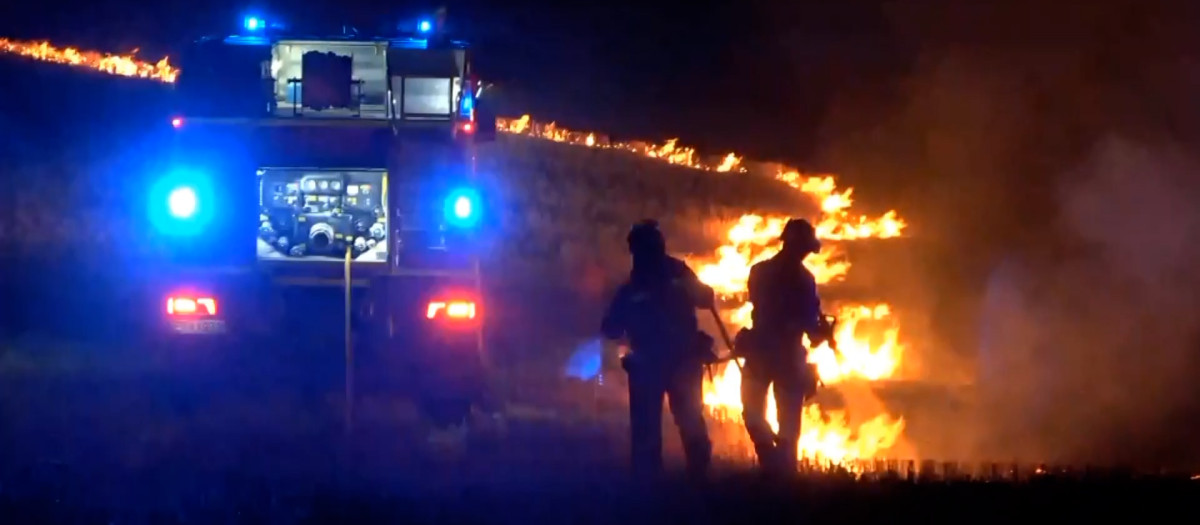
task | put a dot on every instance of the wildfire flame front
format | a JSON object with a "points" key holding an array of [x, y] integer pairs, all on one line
{"points": [[124, 65]]}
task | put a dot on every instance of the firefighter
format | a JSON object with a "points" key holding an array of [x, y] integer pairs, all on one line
{"points": [[786, 306], [655, 311]]}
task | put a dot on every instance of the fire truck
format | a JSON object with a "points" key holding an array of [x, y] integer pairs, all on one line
{"points": [[319, 204]]}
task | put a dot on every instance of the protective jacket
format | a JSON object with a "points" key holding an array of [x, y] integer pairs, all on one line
{"points": [[656, 309]]}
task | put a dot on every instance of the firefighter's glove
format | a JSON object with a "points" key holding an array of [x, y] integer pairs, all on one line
{"points": [[704, 348], [744, 343], [627, 363]]}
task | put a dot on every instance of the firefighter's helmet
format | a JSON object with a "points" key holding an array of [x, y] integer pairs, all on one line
{"points": [[645, 238], [800, 234]]}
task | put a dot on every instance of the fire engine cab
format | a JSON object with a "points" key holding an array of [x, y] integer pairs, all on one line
{"points": [[320, 194]]}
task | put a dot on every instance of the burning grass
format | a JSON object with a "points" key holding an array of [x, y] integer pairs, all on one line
{"points": [[126, 65]]}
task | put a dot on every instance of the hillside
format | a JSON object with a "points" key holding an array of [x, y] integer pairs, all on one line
{"points": [[570, 206]]}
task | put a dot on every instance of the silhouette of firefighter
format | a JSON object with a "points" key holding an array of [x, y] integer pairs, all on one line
{"points": [[786, 307], [655, 311]]}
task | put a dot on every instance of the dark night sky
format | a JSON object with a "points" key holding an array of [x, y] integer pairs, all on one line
{"points": [[751, 76]]}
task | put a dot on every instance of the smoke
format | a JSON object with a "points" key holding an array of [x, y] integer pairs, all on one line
{"points": [[1040, 152], [1137, 204], [1089, 352], [1134, 206]]}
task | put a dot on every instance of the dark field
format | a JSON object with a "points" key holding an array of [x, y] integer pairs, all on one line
{"points": [[112, 439]]}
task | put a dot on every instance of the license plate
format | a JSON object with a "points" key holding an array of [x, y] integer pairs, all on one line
{"points": [[199, 326]]}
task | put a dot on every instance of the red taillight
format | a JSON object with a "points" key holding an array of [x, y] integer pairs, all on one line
{"points": [[468, 127], [456, 310], [191, 306]]}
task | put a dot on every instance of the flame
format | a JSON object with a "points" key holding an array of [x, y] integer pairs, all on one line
{"points": [[669, 151], [752, 239], [837, 223], [123, 65], [825, 436], [871, 356], [869, 349], [868, 337]]}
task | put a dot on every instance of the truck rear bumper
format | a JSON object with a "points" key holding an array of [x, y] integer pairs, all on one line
{"points": [[403, 336]]}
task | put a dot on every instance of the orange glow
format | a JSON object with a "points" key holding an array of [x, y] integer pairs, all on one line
{"points": [[868, 335], [869, 344], [451, 309], [191, 306]]}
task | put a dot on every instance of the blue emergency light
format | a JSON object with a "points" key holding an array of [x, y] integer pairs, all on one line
{"points": [[253, 23], [424, 26], [181, 204], [462, 208], [468, 102]]}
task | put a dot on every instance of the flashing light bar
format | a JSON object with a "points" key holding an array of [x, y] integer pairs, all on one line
{"points": [[185, 305], [459, 310]]}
